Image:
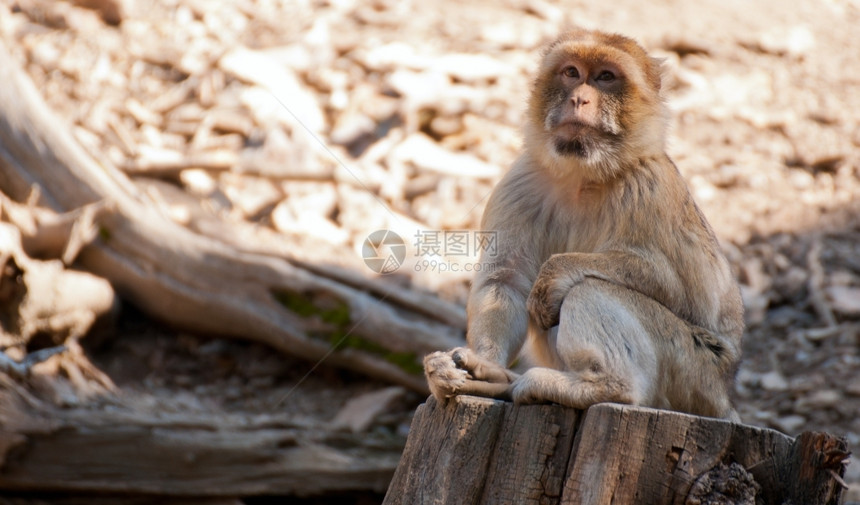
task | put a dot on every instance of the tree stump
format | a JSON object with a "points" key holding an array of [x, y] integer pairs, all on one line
{"points": [[480, 451]]}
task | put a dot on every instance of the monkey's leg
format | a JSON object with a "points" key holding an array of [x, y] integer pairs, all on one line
{"points": [[618, 345], [605, 352], [561, 272]]}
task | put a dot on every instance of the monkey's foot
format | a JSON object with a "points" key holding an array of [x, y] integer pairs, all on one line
{"points": [[535, 386], [480, 368], [557, 276], [544, 302]]}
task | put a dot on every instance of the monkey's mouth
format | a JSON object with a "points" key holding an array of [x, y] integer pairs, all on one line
{"points": [[574, 128], [578, 138], [572, 138]]}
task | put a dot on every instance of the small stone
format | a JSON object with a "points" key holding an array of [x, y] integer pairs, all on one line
{"points": [[425, 154], [310, 196], [753, 270], [296, 57], [359, 413], [446, 125], [792, 282], [844, 299], [198, 181], [350, 127], [747, 377], [251, 195], [471, 67], [279, 82], [392, 56], [308, 224], [805, 383], [419, 88], [822, 399], [789, 424], [797, 41], [773, 381], [517, 35]]}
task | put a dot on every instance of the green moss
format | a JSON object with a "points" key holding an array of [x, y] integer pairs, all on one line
{"points": [[406, 361], [295, 302], [336, 313], [104, 234]]}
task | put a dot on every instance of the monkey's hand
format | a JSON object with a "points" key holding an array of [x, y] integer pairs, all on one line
{"points": [[463, 371], [557, 275], [443, 376]]}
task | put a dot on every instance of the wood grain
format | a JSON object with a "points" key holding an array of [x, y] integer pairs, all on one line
{"points": [[478, 451]]}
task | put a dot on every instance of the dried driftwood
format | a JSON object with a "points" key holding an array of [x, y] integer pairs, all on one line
{"points": [[208, 285], [43, 305], [80, 451]]}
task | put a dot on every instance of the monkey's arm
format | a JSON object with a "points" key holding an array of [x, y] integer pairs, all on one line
{"points": [[654, 279], [497, 315], [498, 320]]}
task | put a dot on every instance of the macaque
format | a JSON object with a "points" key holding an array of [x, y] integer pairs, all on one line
{"points": [[604, 260]]}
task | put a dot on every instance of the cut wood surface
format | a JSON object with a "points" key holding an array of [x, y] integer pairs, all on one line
{"points": [[480, 451], [259, 292]]}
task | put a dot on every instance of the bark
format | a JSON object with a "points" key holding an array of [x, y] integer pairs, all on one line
{"points": [[480, 451]]}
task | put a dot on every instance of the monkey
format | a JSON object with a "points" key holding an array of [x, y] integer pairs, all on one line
{"points": [[605, 265]]}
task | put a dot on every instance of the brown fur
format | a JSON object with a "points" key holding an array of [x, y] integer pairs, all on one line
{"points": [[604, 259]]}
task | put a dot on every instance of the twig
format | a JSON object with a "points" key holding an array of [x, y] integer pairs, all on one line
{"points": [[837, 478], [22, 370], [816, 283], [818, 334], [160, 161]]}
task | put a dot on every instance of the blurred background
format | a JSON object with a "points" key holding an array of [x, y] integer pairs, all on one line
{"points": [[261, 142]]}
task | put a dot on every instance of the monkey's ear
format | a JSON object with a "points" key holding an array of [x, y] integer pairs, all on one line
{"points": [[656, 72]]}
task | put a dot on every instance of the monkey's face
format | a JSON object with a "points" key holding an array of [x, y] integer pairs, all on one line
{"points": [[596, 98], [583, 100]]}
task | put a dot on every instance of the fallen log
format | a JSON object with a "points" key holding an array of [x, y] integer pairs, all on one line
{"points": [[317, 312], [92, 451], [479, 451]]}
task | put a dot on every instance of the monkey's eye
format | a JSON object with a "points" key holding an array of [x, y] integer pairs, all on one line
{"points": [[571, 72], [605, 76]]}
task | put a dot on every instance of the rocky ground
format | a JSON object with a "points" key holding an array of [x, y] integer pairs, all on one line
{"points": [[332, 119]]}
